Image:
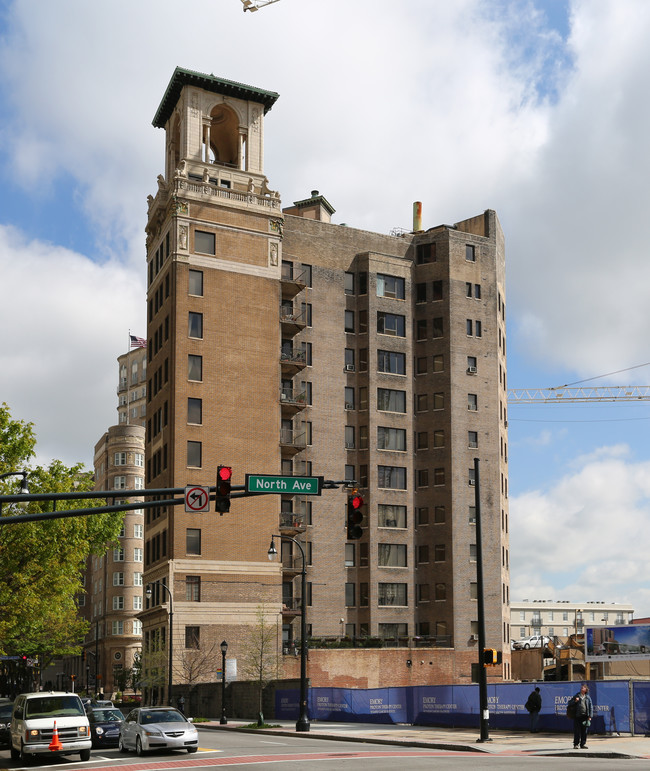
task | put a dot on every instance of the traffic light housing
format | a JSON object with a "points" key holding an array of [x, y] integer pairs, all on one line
{"points": [[224, 484], [354, 516], [489, 656]]}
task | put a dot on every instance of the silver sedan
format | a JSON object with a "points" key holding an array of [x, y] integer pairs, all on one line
{"points": [[157, 728]]}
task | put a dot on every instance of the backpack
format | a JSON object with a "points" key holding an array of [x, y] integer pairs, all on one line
{"points": [[571, 709], [528, 705]]}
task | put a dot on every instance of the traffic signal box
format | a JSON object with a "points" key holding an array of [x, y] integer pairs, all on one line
{"points": [[224, 484], [491, 657], [354, 516]]}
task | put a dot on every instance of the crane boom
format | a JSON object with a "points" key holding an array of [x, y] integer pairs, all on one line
{"points": [[576, 395]]}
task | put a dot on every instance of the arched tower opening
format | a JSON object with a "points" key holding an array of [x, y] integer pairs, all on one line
{"points": [[225, 146]]}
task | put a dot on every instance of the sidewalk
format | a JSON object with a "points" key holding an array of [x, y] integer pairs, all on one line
{"points": [[459, 740]]}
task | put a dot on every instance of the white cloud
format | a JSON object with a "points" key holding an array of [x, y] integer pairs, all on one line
{"points": [[63, 322], [584, 537]]}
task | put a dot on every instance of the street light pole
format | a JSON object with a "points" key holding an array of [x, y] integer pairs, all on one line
{"points": [[224, 650], [149, 594], [303, 720]]}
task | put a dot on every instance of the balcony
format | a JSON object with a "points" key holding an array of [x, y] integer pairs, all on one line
{"points": [[292, 441], [291, 566], [292, 360], [291, 523], [292, 400], [292, 321], [122, 385], [292, 280], [291, 606]]}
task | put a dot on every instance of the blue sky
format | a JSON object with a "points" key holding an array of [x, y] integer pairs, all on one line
{"points": [[535, 109]]}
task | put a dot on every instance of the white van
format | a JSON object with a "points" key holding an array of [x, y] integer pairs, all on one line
{"points": [[32, 725]]}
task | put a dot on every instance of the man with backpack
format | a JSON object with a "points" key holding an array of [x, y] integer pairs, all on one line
{"points": [[581, 709], [534, 705]]}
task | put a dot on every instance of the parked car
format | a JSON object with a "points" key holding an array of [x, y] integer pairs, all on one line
{"points": [[6, 708], [96, 704], [534, 641], [105, 725], [34, 718], [157, 728]]}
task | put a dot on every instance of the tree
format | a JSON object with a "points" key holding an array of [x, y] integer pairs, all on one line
{"points": [[42, 563], [259, 658]]}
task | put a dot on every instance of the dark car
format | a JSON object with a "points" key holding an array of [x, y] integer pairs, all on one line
{"points": [[6, 708], [105, 725]]}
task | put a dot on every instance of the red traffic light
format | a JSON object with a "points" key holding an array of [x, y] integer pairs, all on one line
{"points": [[355, 501], [354, 517], [224, 473]]}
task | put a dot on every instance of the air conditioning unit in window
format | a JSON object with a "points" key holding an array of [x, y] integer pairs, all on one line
{"points": [[474, 637], [349, 367], [471, 370], [473, 444], [349, 445], [472, 482], [349, 406]]}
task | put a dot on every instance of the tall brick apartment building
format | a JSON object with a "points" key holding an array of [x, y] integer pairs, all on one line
{"points": [[279, 342]]}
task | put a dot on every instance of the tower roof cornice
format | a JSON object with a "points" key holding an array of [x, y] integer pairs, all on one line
{"points": [[182, 77]]}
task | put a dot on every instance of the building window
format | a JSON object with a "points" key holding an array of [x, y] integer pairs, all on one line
{"points": [[472, 402], [119, 459], [421, 403], [204, 242], [192, 637], [194, 367], [421, 329], [439, 438], [390, 286], [137, 554], [439, 552], [118, 603], [422, 515], [391, 438], [117, 627], [472, 515], [137, 602], [422, 440], [391, 516], [470, 253], [138, 459], [439, 476], [195, 325], [349, 555], [349, 398], [472, 439], [194, 454], [118, 579], [469, 327], [425, 253], [138, 531], [349, 437], [391, 362], [472, 552], [423, 553], [421, 293], [138, 483], [392, 555], [119, 483], [441, 591], [363, 594], [137, 626], [349, 321], [391, 477], [195, 411], [391, 324], [439, 515], [137, 579], [438, 363], [196, 283], [350, 601], [439, 401], [473, 590], [392, 594], [193, 588], [348, 283], [437, 327], [118, 555], [422, 478], [193, 540], [423, 593], [421, 365], [471, 365]]}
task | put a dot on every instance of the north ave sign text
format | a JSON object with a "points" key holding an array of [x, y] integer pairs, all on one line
{"points": [[270, 483]]}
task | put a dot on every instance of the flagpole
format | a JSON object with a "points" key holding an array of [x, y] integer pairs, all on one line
{"points": [[128, 382]]}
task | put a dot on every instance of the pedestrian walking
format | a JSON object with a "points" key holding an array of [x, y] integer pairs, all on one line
{"points": [[582, 709], [180, 703], [534, 705]]}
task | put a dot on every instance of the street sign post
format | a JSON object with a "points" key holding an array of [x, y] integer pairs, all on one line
{"points": [[271, 483]]}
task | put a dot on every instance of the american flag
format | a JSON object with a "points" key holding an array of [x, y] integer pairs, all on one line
{"points": [[137, 342]]}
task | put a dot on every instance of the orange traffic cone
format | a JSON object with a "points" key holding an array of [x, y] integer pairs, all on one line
{"points": [[55, 745]]}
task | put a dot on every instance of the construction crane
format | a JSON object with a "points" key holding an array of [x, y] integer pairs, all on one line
{"points": [[255, 5], [567, 395]]}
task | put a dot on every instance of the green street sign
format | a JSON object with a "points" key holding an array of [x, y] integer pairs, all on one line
{"points": [[270, 483]]}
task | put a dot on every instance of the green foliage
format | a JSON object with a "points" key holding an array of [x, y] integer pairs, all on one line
{"points": [[259, 658], [42, 563]]}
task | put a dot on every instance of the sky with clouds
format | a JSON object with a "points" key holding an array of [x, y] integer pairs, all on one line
{"points": [[535, 108]]}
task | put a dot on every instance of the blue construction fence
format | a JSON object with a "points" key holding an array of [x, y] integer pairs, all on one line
{"points": [[619, 705]]}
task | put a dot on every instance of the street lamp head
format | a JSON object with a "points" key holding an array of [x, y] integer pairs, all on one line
{"points": [[24, 487], [224, 647], [272, 552], [148, 592]]}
